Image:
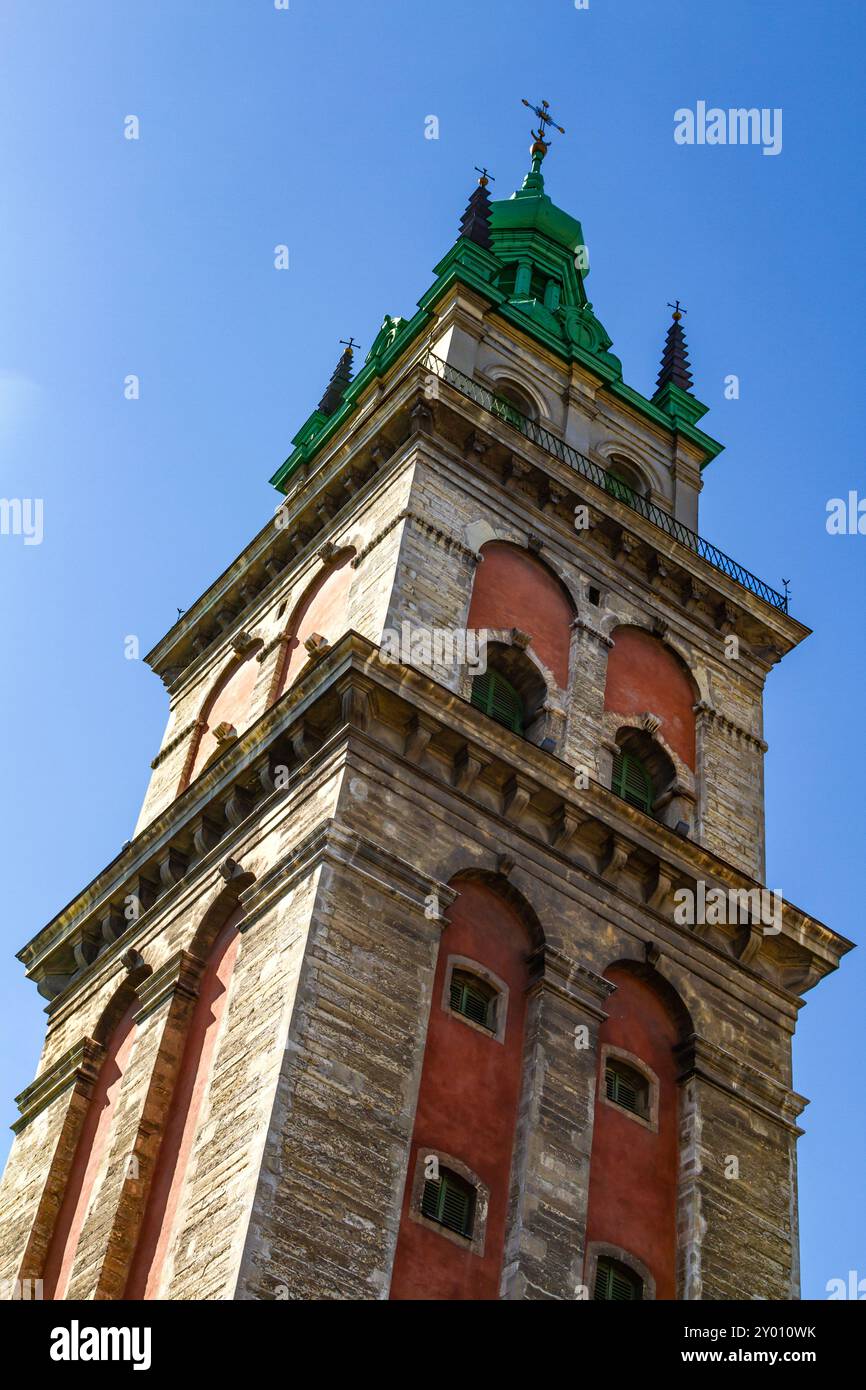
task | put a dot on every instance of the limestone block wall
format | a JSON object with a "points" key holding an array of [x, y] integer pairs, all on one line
{"points": [[327, 1211], [373, 531], [453, 512], [164, 985]]}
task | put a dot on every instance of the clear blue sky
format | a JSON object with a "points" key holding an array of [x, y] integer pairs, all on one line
{"points": [[306, 127]]}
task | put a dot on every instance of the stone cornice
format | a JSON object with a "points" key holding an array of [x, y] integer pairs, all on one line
{"points": [[701, 1058], [348, 689], [711, 715], [177, 741], [79, 1064]]}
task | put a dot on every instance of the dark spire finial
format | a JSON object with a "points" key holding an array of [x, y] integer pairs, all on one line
{"points": [[340, 378], [475, 222], [675, 358]]}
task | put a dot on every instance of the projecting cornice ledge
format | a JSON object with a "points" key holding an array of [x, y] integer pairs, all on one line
{"points": [[350, 693]]}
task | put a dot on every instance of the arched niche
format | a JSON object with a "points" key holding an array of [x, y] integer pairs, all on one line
{"points": [[225, 713], [515, 589], [644, 676], [322, 609]]}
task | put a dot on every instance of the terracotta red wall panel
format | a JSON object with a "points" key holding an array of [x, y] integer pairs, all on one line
{"points": [[468, 1102], [322, 610], [183, 1117], [633, 1171], [513, 589], [90, 1150], [644, 675], [231, 706]]}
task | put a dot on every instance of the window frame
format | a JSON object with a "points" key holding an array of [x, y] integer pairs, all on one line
{"points": [[465, 965], [603, 1250], [606, 1264], [474, 1244], [611, 1053]]}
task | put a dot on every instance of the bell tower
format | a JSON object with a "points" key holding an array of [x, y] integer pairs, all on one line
{"points": [[442, 962]]}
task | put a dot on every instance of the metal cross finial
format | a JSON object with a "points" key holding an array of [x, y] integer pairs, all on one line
{"points": [[678, 312], [485, 177], [350, 343], [544, 120]]}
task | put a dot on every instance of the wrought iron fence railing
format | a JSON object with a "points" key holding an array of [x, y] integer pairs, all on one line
{"points": [[570, 456]]}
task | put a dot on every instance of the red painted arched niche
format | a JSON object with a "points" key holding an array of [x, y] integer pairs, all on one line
{"points": [[322, 609], [170, 1172], [515, 589], [643, 675], [228, 703], [634, 1167], [90, 1150], [468, 1100]]}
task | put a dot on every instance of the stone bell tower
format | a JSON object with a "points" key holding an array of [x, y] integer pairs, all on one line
{"points": [[438, 965]]}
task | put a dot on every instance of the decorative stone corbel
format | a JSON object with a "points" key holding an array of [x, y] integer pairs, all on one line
{"points": [[566, 826], [726, 618], [420, 731], [626, 547], [556, 495], [661, 887], [421, 417], [468, 765], [205, 834], [172, 866], [517, 793], [615, 860], [517, 470], [242, 642], [316, 646]]}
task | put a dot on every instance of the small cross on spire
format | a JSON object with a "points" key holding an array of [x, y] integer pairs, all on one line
{"points": [[485, 177], [350, 343], [678, 312]]}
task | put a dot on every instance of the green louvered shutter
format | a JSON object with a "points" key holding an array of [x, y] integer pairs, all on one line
{"points": [[495, 695], [473, 999], [632, 782], [450, 1200], [615, 1283], [626, 1088]]}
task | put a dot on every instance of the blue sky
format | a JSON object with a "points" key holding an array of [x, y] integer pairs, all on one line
{"points": [[155, 257]]}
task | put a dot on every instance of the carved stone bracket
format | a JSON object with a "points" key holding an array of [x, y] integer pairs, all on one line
{"points": [[517, 793], [420, 731], [615, 860], [469, 763]]}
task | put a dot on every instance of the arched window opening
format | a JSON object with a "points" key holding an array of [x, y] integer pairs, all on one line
{"points": [[474, 999], [642, 770], [624, 481], [632, 782], [625, 1086], [450, 1201], [512, 399], [615, 1282], [496, 696], [512, 690]]}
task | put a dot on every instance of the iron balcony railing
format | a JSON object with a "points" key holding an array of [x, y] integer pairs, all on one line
{"points": [[506, 412]]}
